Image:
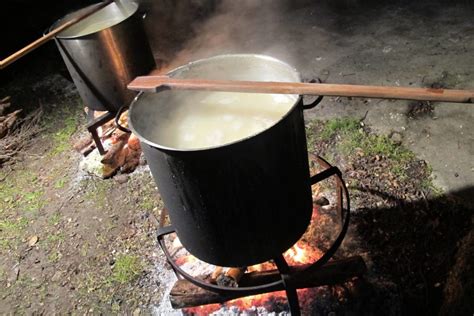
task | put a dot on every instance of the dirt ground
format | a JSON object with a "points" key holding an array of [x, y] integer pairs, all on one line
{"points": [[73, 243]]}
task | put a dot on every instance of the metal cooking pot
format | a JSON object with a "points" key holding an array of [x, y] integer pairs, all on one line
{"points": [[241, 203], [104, 52]]}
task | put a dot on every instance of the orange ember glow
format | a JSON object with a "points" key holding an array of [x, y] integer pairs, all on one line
{"points": [[301, 253], [185, 259], [265, 300]]}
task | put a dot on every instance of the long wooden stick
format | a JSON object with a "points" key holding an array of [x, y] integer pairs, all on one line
{"points": [[40, 41], [157, 83]]}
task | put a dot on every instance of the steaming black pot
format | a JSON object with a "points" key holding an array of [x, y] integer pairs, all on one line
{"points": [[238, 204]]}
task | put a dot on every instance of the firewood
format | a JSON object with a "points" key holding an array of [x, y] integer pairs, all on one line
{"points": [[185, 294], [134, 142], [215, 274], [230, 277], [8, 122], [3, 107], [111, 156], [111, 167], [83, 143], [132, 160], [119, 136]]}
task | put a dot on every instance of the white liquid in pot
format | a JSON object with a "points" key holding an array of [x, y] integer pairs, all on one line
{"points": [[219, 118]]}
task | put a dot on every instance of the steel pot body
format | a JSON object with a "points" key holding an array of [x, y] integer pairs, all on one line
{"points": [[242, 203], [104, 52]]}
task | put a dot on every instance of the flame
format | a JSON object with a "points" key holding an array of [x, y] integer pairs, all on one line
{"points": [[267, 300], [296, 254], [273, 302], [303, 252]]}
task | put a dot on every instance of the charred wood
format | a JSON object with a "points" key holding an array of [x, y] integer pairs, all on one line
{"points": [[185, 294], [231, 277]]}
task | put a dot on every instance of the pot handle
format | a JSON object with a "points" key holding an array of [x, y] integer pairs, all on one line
{"points": [[317, 100], [117, 119]]}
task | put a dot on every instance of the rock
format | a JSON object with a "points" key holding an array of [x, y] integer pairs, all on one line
{"points": [[322, 201], [121, 178], [33, 240], [14, 274], [142, 161], [396, 138]]}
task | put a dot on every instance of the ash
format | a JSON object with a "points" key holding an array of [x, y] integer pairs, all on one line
{"points": [[166, 278], [253, 311]]}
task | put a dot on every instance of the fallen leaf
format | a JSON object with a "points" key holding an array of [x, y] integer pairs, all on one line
{"points": [[33, 240]]}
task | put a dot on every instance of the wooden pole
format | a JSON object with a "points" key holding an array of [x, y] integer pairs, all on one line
{"points": [[40, 41], [156, 83]]}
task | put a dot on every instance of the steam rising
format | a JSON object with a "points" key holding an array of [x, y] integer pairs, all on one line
{"points": [[244, 26]]}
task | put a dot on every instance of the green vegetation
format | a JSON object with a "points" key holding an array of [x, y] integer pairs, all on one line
{"points": [[59, 184], [11, 230], [54, 256], [55, 239], [127, 268], [99, 192], [62, 136], [55, 219], [350, 137], [61, 122], [22, 192], [332, 127]]}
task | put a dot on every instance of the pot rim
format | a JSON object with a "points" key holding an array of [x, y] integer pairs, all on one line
{"points": [[63, 19], [170, 73]]}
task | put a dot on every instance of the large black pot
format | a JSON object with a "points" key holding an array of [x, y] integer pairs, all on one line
{"points": [[238, 204]]}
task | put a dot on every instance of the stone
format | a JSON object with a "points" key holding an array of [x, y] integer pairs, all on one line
{"points": [[321, 201], [396, 137], [121, 178]]}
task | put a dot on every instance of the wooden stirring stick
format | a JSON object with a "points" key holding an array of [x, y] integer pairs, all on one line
{"points": [[40, 41], [158, 83]]}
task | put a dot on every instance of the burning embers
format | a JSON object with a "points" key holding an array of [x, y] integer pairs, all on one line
{"points": [[271, 285]]}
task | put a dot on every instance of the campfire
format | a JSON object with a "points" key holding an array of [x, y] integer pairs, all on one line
{"points": [[319, 242]]}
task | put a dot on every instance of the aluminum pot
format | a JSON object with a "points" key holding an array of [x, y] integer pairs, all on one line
{"points": [[238, 204], [104, 52]]}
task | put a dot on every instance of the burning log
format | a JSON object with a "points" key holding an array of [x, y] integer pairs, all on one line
{"points": [[230, 277], [132, 159], [116, 155], [217, 272], [185, 294]]}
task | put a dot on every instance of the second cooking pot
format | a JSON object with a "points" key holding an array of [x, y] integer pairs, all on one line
{"points": [[104, 52], [243, 202]]}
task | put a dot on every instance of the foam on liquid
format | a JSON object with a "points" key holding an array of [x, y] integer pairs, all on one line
{"points": [[220, 118]]}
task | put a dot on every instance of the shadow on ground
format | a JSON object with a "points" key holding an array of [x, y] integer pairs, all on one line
{"points": [[426, 249]]}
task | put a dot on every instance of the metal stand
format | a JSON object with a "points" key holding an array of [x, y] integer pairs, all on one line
{"points": [[287, 276], [94, 124]]}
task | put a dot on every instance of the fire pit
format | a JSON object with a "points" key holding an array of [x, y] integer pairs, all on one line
{"points": [[195, 291]]}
